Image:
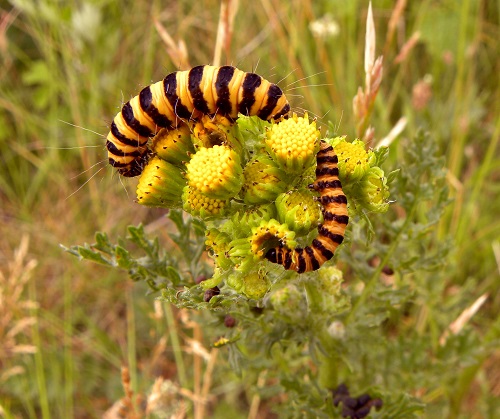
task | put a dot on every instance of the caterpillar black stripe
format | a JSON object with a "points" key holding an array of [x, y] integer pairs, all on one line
{"points": [[331, 232], [186, 95]]}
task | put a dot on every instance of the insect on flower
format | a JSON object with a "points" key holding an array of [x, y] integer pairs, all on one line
{"points": [[184, 96]]}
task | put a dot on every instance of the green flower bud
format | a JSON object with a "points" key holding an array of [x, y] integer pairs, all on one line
{"points": [[372, 192], [253, 285], [330, 281], [293, 143], [173, 146], [215, 172], [218, 245], [289, 303], [268, 235], [251, 218], [200, 205], [263, 181], [354, 160], [160, 185], [324, 293], [240, 253], [298, 210]]}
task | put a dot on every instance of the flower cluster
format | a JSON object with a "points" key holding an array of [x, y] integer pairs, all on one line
{"points": [[362, 179], [250, 182]]}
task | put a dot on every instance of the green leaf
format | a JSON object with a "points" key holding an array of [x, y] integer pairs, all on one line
{"points": [[123, 258], [97, 257]]}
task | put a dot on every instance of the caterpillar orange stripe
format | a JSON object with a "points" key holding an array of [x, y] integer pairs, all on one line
{"points": [[331, 232], [186, 95]]}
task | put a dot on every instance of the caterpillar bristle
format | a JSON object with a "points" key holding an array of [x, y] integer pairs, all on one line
{"points": [[183, 96]]}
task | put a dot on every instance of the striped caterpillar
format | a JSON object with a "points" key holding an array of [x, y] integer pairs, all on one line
{"points": [[183, 96], [331, 232]]}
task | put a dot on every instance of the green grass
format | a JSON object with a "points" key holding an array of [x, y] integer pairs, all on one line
{"points": [[66, 69]]}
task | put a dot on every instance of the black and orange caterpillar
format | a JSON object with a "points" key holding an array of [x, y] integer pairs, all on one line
{"points": [[331, 232], [183, 96]]}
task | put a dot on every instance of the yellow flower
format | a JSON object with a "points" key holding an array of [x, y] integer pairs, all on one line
{"points": [[217, 243], [200, 205], [263, 180], [215, 172], [173, 146], [354, 160], [160, 185], [269, 234], [298, 210], [293, 143], [373, 192]]}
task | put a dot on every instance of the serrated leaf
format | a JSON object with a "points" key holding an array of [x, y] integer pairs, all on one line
{"points": [[123, 257], [103, 244], [73, 250], [97, 257], [381, 154]]}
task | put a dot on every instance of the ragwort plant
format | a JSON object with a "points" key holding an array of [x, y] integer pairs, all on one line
{"points": [[328, 341], [234, 194]]}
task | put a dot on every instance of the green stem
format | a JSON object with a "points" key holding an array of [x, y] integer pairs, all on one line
{"points": [[376, 274], [466, 377], [131, 339], [176, 346], [39, 366]]}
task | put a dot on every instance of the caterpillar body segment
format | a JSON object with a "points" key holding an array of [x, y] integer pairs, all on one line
{"points": [[187, 95], [331, 232]]}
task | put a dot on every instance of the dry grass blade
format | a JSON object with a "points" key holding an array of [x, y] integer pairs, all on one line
{"points": [[496, 252], [228, 9], [127, 407], [393, 23], [364, 100], [407, 47], [463, 319], [394, 133], [177, 51], [370, 44]]}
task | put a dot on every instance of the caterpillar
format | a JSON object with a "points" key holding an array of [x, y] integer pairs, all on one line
{"points": [[183, 96], [331, 232]]}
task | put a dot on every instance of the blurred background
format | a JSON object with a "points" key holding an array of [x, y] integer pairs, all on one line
{"points": [[67, 327]]}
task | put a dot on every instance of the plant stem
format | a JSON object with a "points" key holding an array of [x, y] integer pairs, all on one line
{"points": [[176, 346], [376, 274]]}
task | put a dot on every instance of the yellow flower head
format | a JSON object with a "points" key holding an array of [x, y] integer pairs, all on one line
{"points": [[215, 172], [354, 160], [217, 243], [293, 143], [173, 146], [269, 234], [160, 185], [263, 180], [200, 205], [298, 210], [373, 191]]}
